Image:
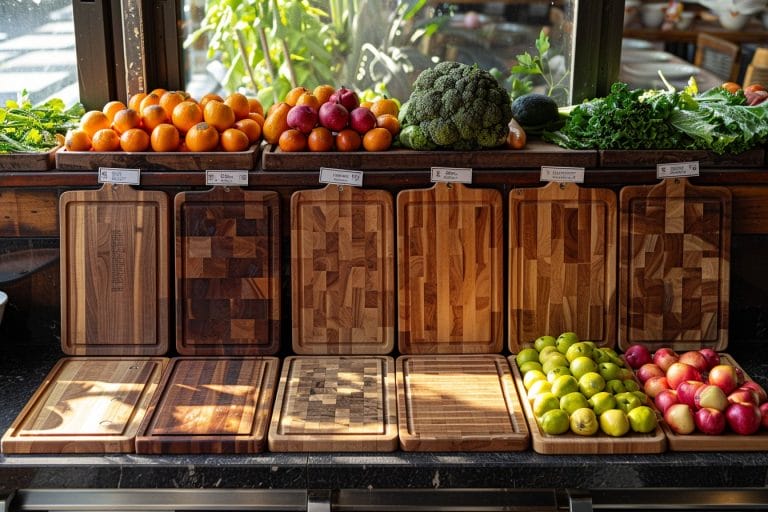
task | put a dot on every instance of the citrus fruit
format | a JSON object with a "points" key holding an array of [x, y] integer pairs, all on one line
{"points": [[239, 104], [134, 101], [202, 137], [389, 122], [134, 139], [255, 106], [105, 139], [152, 116], [293, 95], [320, 139], [126, 119], [149, 99], [112, 107], [165, 138], [93, 121], [322, 92], [292, 140], [377, 139], [251, 128], [348, 140], [219, 115], [385, 106], [77, 140], [209, 97], [233, 139], [185, 115], [170, 99]]}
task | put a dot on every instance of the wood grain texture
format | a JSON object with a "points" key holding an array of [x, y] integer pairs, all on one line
{"points": [[28, 162], [114, 271], [228, 272], [562, 263], [458, 403], [628, 158], [599, 443], [29, 212], [342, 271], [335, 404], [211, 405], [450, 275], [674, 265], [150, 160], [86, 405]]}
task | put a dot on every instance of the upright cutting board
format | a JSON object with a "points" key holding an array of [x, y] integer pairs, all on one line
{"points": [[227, 272], [674, 265], [342, 271], [114, 271], [450, 277], [562, 263]]}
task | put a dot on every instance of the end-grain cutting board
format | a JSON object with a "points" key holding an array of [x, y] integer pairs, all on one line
{"points": [[458, 403], [342, 270], [211, 405], [674, 265], [562, 263], [450, 277], [335, 404], [86, 405], [227, 272], [114, 271]]}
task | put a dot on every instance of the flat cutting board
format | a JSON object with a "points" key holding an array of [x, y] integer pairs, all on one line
{"points": [[86, 405], [458, 403], [211, 405], [450, 276], [342, 271], [674, 265], [562, 263], [227, 272], [114, 271], [335, 404]]}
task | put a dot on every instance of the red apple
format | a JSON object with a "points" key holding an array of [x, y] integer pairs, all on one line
{"points": [[680, 419], [647, 371], [637, 355], [686, 391], [695, 359], [362, 120], [333, 116], [665, 398], [744, 419], [678, 372], [712, 357], [302, 117], [664, 357], [725, 377], [760, 390], [711, 397], [746, 395], [710, 421], [346, 97], [655, 385], [764, 415]]}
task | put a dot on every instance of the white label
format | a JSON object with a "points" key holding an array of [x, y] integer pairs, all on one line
{"points": [[341, 177], [562, 174], [451, 175], [226, 178], [678, 170], [122, 176]]}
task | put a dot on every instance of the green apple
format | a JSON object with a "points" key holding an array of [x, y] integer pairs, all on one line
{"points": [[531, 377], [530, 365], [591, 383], [554, 361], [601, 356], [582, 365], [564, 384], [614, 422], [626, 374], [615, 386], [565, 340], [545, 402], [537, 388], [642, 419], [578, 350], [544, 341], [554, 422], [558, 371], [612, 354], [631, 385], [627, 401], [609, 370], [546, 352], [601, 402], [644, 400], [591, 344], [572, 401], [584, 422], [527, 354]]}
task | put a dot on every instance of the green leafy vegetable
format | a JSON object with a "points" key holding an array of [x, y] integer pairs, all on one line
{"points": [[529, 66], [27, 128]]}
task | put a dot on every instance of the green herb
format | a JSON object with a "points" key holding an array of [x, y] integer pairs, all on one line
{"points": [[529, 66], [28, 128]]}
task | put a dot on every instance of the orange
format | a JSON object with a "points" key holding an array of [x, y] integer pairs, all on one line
{"points": [[254, 105], [234, 140], [320, 139], [367, 104], [170, 99], [292, 140], [731, 87], [385, 106], [134, 139], [77, 140], [125, 120], [165, 137], [276, 123], [219, 115], [112, 107], [293, 95], [259, 118], [152, 116], [309, 99], [389, 122], [150, 99], [134, 101], [105, 139], [202, 137], [348, 140], [239, 105], [93, 121], [158, 91], [323, 92], [208, 97], [251, 128], [186, 114], [377, 139]]}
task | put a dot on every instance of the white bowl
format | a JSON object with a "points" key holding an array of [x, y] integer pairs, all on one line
{"points": [[733, 20], [3, 302], [653, 14], [686, 18]]}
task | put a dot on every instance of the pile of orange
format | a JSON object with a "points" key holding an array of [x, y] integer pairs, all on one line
{"points": [[167, 121]]}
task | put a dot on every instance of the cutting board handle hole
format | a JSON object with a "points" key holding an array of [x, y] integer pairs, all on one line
{"points": [[105, 423], [133, 367]]}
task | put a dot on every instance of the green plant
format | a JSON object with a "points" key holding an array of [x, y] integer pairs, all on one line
{"points": [[31, 128], [530, 67]]}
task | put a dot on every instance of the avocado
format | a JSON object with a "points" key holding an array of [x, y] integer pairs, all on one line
{"points": [[534, 109]]}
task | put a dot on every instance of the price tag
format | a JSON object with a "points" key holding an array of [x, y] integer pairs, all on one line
{"points": [[219, 177], [121, 176], [562, 174], [341, 177], [451, 175], [677, 170]]}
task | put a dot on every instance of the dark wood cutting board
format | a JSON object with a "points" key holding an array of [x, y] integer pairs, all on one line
{"points": [[458, 403], [450, 276], [342, 271], [86, 405], [335, 404], [674, 265], [211, 405], [562, 263], [227, 272], [114, 271]]}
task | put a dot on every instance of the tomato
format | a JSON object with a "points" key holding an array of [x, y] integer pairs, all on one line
{"points": [[731, 87], [753, 88]]}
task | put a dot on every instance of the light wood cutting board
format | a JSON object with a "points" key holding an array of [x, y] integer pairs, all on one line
{"points": [[674, 265], [86, 405], [211, 405], [342, 271], [114, 271], [227, 272], [562, 263], [450, 275]]}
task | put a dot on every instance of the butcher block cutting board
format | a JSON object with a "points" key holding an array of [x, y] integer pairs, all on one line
{"points": [[114, 271], [211, 405], [342, 271], [674, 265], [562, 263], [450, 276], [335, 404], [86, 405], [227, 272], [458, 403]]}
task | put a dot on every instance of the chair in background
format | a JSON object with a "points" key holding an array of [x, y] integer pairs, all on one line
{"points": [[757, 70], [718, 56]]}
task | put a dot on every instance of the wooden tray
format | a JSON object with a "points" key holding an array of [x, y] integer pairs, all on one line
{"points": [[114, 271], [86, 405], [33, 162], [570, 443], [562, 263], [622, 158], [458, 403], [674, 259], [211, 405], [335, 404], [342, 271], [228, 272], [450, 276]]}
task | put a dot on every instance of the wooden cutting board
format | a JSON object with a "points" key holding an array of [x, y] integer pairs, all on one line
{"points": [[450, 276], [562, 263], [114, 271], [86, 405], [227, 272], [342, 271], [674, 259], [211, 405], [458, 403], [335, 404]]}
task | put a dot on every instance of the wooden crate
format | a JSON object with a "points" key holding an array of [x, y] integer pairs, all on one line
{"points": [[28, 162]]}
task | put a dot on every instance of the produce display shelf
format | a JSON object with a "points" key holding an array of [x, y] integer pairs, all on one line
{"points": [[29, 162], [628, 158]]}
